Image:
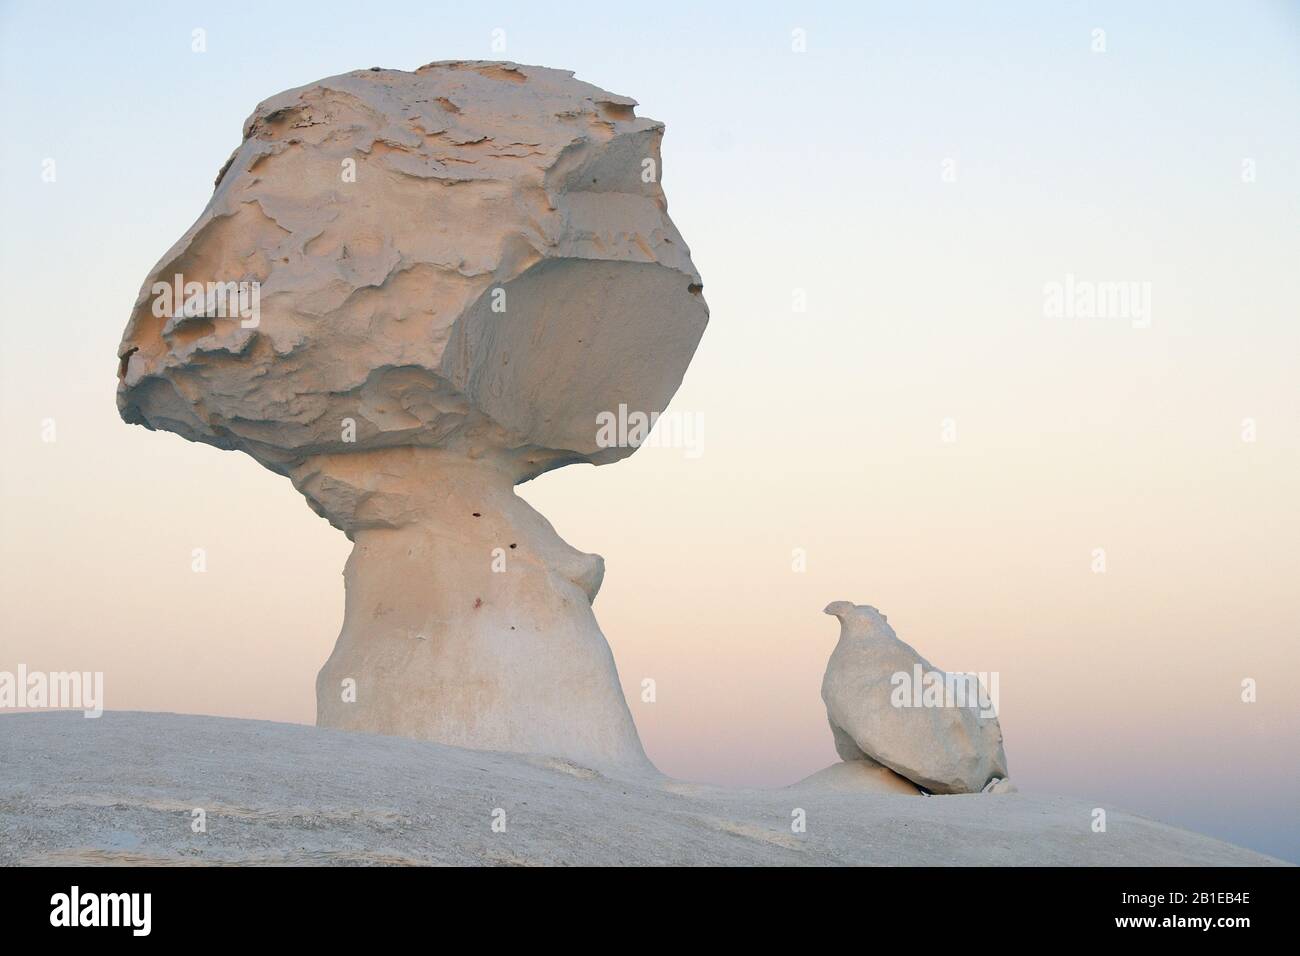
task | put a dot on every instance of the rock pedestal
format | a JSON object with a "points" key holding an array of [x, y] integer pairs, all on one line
{"points": [[468, 619]]}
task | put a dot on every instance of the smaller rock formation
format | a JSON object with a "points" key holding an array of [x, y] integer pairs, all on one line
{"points": [[887, 704]]}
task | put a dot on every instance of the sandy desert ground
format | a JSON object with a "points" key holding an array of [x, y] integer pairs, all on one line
{"points": [[121, 789]]}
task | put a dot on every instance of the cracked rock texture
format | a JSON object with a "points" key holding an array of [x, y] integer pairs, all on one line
{"points": [[457, 268]]}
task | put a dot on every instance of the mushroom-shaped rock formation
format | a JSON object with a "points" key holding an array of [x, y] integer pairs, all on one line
{"points": [[408, 293], [888, 704]]}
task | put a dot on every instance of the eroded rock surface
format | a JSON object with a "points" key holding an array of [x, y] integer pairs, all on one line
{"points": [[380, 211], [279, 794]]}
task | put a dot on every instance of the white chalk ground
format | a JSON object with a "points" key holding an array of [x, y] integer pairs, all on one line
{"points": [[121, 788]]}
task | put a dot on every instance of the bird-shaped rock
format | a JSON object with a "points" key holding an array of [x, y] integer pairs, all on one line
{"points": [[887, 703]]}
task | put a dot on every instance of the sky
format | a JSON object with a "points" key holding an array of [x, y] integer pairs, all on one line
{"points": [[887, 396]]}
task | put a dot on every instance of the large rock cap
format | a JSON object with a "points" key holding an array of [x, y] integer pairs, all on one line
{"points": [[473, 255]]}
